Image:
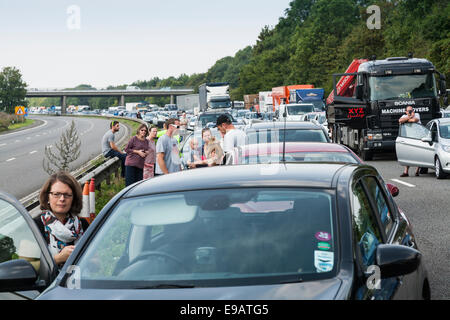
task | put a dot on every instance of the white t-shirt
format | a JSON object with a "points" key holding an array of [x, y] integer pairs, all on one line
{"points": [[416, 115], [234, 138]]}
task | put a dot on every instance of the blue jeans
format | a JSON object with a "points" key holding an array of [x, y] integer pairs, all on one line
{"points": [[122, 156]]}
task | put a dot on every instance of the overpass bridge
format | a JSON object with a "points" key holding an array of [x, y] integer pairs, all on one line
{"points": [[120, 94]]}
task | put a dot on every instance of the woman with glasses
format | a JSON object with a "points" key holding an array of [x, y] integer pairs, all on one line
{"points": [[137, 150], [61, 202]]}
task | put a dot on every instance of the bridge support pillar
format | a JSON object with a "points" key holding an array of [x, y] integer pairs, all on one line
{"points": [[122, 100], [172, 99], [63, 104]]}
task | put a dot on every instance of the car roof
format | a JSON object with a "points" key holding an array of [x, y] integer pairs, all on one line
{"points": [[264, 148], [310, 175], [280, 125]]}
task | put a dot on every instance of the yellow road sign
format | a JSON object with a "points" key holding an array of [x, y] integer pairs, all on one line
{"points": [[20, 111]]}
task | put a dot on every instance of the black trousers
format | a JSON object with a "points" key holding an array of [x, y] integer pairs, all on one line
{"points": [[133, 174]]}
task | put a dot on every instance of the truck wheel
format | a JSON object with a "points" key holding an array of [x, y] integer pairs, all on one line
{"points": [[438, 169], [366, 155]]}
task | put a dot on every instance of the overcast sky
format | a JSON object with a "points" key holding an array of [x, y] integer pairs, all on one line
{"points": [[59, 43]]}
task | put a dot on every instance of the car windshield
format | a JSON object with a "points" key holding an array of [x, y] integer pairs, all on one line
{"points": [[445, 130], [220, 104], [207, 118], [227, 237], [299, 109], [403, 87], [292, 135], [275, 157], [242, 113]]}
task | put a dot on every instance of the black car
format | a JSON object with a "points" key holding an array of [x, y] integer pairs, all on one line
{"points": [[290, 231], [296, 131]]}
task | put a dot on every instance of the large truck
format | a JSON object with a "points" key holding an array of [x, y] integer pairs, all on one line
{"points": [[366, 103], [281, 95], [188, 102], [314, 96], [265, 101], [214, 96]]}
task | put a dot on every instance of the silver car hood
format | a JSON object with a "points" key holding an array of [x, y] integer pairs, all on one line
{"points": [[313, 290]]}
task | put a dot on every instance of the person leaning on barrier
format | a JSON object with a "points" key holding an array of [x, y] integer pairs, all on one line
{"points": [[412, 117], [61, 202], [109, 148]]}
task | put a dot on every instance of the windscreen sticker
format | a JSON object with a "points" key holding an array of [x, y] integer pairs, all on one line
{"points": [[323, 236], [323, 261], [323, 246]]}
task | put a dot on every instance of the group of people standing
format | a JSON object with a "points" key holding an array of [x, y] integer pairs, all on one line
{"points": [[149, 154]]}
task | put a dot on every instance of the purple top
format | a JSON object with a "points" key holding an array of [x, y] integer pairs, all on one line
{"points": [[133, 159], [151, 157]]}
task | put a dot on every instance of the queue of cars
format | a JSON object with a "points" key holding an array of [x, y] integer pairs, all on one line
{"points": [[294, 217]]}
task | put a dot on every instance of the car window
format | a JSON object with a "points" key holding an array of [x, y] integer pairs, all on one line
{"points": [[444, 130], [16, 238], [413, 131], [381, 202], [365, 228], [215, 238], [292, 135], [275, 157]]}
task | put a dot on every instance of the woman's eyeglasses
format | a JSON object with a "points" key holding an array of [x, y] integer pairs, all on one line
{"points": [[59, 194]]}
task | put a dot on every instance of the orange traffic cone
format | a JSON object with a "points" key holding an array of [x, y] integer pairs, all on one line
{"points": [[92, 200], [84, 214]]}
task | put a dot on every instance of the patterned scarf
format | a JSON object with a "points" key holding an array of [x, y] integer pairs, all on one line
{"points": [[59, 235]]}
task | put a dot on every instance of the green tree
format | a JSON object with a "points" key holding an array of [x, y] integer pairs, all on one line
{"points": [[12, 89]]}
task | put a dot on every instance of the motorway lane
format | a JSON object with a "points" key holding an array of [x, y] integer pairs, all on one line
{"points": [[426, 203], [22, 152]]}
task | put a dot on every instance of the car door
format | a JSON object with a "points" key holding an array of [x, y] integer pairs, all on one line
{"points": [[433, 127], [367, 235], [26, 265], [409, 147]]}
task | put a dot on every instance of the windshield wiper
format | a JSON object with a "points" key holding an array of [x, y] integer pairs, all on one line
{"points": [[167, 286], [298, 280]]}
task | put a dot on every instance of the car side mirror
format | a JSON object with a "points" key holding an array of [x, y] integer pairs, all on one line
{"points": [[17, 275], [427, 139], [397, 260], [393, 190]]}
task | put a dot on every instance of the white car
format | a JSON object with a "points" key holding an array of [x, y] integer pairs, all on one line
{"points": [[425, 147]]}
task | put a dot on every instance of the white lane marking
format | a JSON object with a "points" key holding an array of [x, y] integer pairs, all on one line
{"points": [[22, 131], [33, 152], [17, 141], [10, 159], [3, 144], [405, 183]]}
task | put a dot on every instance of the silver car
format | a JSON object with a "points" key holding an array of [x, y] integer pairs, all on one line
{"points": [[425, 146]]}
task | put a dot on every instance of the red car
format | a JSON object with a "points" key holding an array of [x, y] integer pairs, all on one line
{"points": [[269, 153], [294, 152]]}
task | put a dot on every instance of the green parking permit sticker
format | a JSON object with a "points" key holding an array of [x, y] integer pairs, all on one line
{"points": [[323, 246]]}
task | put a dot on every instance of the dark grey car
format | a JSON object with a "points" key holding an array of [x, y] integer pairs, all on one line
{"points": [[304, 231]]}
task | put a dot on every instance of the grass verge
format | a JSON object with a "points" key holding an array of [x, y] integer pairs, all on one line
{"points": [[19, 125]]}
